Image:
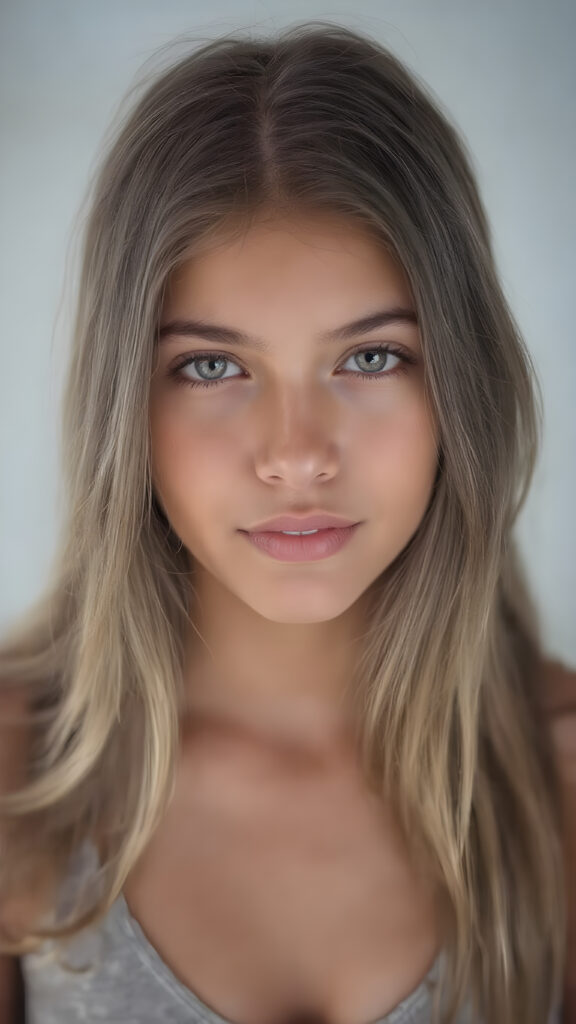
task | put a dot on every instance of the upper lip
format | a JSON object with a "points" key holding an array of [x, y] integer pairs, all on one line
{"points": [[318, 521]]}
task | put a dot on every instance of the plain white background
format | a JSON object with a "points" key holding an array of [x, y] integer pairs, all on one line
{"points": [[505, 72]]}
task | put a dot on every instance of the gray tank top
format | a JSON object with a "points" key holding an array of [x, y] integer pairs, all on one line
{"points": [[129, 983]]}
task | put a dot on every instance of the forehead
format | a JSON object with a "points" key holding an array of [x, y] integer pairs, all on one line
{"points": [[278, 266]]}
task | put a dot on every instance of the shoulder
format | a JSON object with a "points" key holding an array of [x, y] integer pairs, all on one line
{"points": [[18, 907], [15, 737], [558, 702], [15, 734], [558, 687]]}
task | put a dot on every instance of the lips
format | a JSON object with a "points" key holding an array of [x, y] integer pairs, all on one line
{"points": [[321, 521], [308, 547]]}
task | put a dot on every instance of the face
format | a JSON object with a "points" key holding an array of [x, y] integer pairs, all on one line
{"points": [[301, 422]]}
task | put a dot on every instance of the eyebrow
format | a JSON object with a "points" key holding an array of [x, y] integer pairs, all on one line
{"points": [[227, 335]]}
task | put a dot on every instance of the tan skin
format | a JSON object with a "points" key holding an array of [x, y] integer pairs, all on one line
{"points": [[280, 891], [276, 887], [289, 430]]}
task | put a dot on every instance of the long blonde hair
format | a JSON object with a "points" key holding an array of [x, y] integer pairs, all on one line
{"points": [[317, 118]]}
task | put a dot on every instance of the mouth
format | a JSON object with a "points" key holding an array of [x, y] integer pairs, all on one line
{"points": [[301, 524], [290, 546]]}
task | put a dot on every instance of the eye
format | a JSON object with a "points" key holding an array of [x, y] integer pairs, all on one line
{"points": [[210, 362], [380, 361]]}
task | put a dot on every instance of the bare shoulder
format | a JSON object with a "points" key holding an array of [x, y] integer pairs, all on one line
{"points": [[558, 698], [558, 692], [558, 701], [15, 736], [15, 749]]}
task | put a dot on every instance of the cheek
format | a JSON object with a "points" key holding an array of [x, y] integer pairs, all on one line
{"points": [[403, 457], [397, 452], [186, 458]]}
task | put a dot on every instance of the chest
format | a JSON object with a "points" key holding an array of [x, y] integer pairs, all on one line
{"points": [[279, 899]]}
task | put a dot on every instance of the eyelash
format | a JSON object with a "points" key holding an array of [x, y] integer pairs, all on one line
{"points": [[179, 378]]}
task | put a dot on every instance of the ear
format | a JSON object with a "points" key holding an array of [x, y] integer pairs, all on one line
{"points": [[559, 703]]}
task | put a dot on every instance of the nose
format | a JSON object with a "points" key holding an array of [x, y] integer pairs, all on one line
{"points": [[298, 439]]}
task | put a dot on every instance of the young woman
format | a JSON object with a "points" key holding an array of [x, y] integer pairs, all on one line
{"points": [[257, 777]]}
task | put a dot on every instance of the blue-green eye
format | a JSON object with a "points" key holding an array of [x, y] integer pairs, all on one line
{"points": [[384, 361]]}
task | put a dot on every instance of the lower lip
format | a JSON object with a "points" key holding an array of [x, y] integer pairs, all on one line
{"points": [[302, 549]]}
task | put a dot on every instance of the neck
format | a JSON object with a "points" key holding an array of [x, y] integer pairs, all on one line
{"points": [[284, 683]]}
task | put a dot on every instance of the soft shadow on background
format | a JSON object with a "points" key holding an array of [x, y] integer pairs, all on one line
{"points": [[506, 75]]}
